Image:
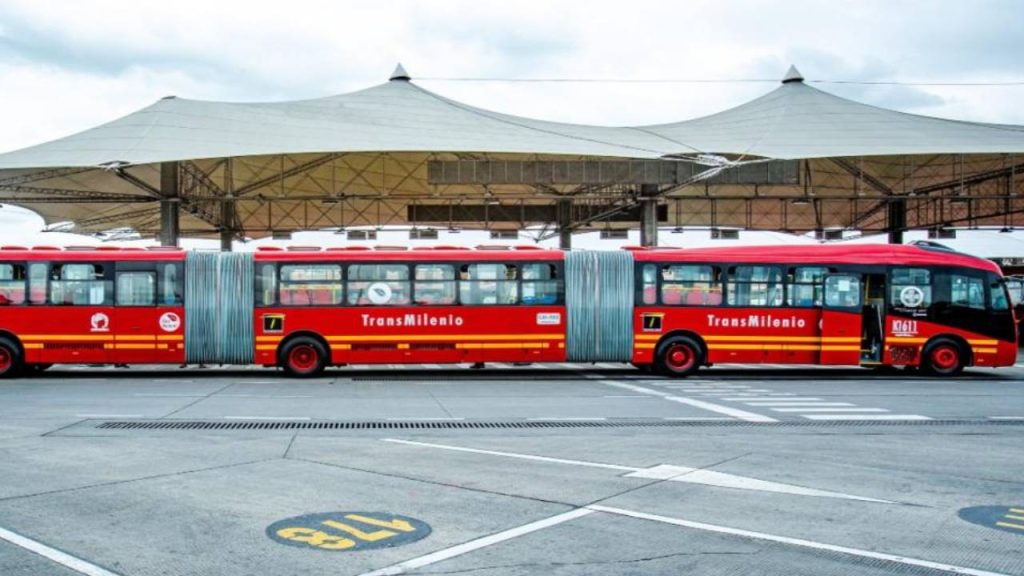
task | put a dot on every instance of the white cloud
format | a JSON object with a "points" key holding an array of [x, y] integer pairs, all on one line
{"points": [[91, 61]]}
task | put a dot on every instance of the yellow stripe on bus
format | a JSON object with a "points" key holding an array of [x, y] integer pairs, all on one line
{"points": [[983, 342], [135, 346], [986, 350], [135, 337], [444, 337], [38, 346], [776, 339], [493, 346], [170, 337], [69, 337]]}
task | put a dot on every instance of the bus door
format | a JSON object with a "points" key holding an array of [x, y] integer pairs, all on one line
{"points": [[841, 320], [150, 319]]}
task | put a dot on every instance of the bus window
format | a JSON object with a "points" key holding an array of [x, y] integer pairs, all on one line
{"points": [[540, 284], [488, 284], [266, 285], [310, 285], [79, 285], [649, 284], [804, 286], [37, 283], [136, 288], [967, 291], [693, 285], [998, 293], [378, 284], [170, 295], [910, 288], [12, 284], [435, 284], [755, 286]]}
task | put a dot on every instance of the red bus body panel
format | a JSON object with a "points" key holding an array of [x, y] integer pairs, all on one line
{"points": [[53, 334], [435, 334]]}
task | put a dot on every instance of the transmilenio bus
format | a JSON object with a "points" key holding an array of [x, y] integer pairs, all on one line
{"points": [[670, 310]]}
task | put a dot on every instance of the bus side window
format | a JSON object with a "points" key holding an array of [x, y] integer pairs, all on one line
{"points": [[266, 285], [649, 283], [170, 294], [310, 284], [79, 284], [136, 288], [805, 286], [378, 284], [488, 284], [691, 285], [540, 284], [37, 283], [434, 284], [997, 293], [910, 288], [754, 286], [12, 284]]}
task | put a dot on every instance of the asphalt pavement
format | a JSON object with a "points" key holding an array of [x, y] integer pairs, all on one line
{"points": [[565, 469]]}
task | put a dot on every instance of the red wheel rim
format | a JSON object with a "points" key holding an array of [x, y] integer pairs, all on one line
{"points": [[5, 360], [945, 357], [303, 358], [679, 357]]}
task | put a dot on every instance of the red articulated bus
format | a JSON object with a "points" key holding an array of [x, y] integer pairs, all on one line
{"points": [[670, 310]]}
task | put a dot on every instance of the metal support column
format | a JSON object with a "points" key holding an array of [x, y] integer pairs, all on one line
{"points": [[227, 209], [169, 204], [897, 220], [564, 214], [648, 215]]}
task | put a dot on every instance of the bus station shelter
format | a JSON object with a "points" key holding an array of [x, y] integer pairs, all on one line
{"points": [[795, 159]]}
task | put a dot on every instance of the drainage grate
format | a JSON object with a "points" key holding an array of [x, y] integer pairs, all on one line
{"points": [[512, 424]]}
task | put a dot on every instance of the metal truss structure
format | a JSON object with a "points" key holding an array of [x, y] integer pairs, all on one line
{"points": [[263, 195]]}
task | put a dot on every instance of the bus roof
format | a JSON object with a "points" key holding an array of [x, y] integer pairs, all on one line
{"points": [[91, 254], [856, 254]]}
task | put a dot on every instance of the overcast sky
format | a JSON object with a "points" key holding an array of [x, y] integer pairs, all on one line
{"points": [[67, 66]]}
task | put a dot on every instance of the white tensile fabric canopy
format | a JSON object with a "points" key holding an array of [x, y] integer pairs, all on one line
{"points": [[794, 121]]}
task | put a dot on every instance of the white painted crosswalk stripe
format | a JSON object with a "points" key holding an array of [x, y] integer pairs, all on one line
{"points": [[880, 417]]}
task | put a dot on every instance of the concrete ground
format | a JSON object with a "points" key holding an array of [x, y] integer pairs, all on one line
{"points": [[567, 469]]}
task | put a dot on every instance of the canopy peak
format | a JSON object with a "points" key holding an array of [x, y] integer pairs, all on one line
{"points": [[792, 75], [399, 73]]}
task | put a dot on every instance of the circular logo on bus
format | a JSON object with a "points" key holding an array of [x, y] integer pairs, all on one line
{"points": [[170, 322], [379, 293], [100, 322], [348, 531], [911, 296]]}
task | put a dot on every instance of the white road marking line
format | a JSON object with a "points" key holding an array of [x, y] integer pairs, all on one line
{"points": [[513, 455], [666, 472], [726, 480], [52, 554], [829, 409], [802, 403], [108, 415], [865, 417], [460, 549], [795, 541], [1006, 417], [282, 418], [727, 410]]}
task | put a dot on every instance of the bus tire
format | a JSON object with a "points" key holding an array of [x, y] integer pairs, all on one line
{"points": [[679, 356], [303, 357], [943, 357], [10, 359]]}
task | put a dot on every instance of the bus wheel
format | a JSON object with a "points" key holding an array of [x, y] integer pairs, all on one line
{"points": [[943, 358], [10, 359], [679, 356], [303, 357]]}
